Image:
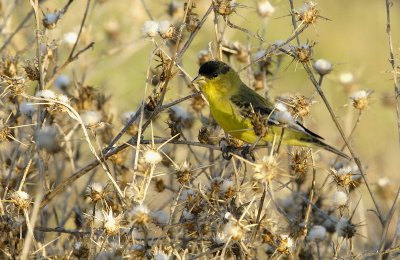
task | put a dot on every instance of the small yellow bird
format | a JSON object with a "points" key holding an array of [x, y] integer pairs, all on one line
{"points": [[232, 104]]}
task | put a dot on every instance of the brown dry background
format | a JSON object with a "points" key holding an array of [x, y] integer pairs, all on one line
{"points": [[354, 40]]}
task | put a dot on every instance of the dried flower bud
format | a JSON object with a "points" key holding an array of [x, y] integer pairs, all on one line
{"points": [[21, 199], [8, 66], [140, 214], [47, 139], [303, 53], [184, 173], [264, 8], [111, 224], [50, 20], [361, 99], [297, 105], [27, 109], [62, 82], [285, 244], [5, 132], [339, 199], [152, 156], [266, 169], [95, 192], [308, 13], [32, 70], [317, 233], [91, 118], [166, 29], [322, 67], [299, 164], [344, 228], [150, 29], [225, 7], [233, 229]]}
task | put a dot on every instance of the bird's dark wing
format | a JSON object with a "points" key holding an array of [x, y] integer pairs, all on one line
{"points": [[249, 101]]}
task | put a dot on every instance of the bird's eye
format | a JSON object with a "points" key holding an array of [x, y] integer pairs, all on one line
{"points": [[214, 75]]}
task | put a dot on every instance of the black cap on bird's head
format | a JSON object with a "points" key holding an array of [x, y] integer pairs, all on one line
{"points": [[214, 68]]}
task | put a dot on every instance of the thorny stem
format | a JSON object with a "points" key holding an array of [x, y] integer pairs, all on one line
{"points": [[396, 93], [294, 20], [49, 196], [72, 55], [352, 152], [392, 61]]}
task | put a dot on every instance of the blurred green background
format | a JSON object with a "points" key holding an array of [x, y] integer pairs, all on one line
{"points": [[354, 39]]}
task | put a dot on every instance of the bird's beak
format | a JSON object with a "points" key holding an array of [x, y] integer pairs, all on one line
{"points": [[199, 80]]}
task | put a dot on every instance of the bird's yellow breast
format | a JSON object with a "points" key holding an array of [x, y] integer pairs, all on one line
{"points": [[218, 93]]}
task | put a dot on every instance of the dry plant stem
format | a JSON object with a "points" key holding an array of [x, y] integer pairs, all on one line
{"points": [[387, 223], [19, 27], [294, 20], [273, 49], [193, 34], [177, 58], [352, 152], [146, 8], [392, 61], [35, 6], [72, 55], [49, 196], [31, 223], [395, 73]]}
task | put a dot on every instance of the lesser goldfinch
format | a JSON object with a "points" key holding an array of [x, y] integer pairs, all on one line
{"points": [[233, 105]]}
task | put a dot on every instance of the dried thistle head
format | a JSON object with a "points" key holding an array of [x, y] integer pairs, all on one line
{"points": [[303, 53], [224, 7], [184, 173], [21, 199], [299, 164], [167, 30], [81, 247], [96, 192], [140, 215], [233, 229], [260, 124], [266, 169], [111, 224], [308, 13], [346, 229], [361, 99], [9, 66], [50, 19], [207, 135], [48, 139], [15, 86], [298, 105], [5, 132], [345, 176]]}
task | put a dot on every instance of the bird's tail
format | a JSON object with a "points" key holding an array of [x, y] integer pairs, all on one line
{"points": [[329, 148]]}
